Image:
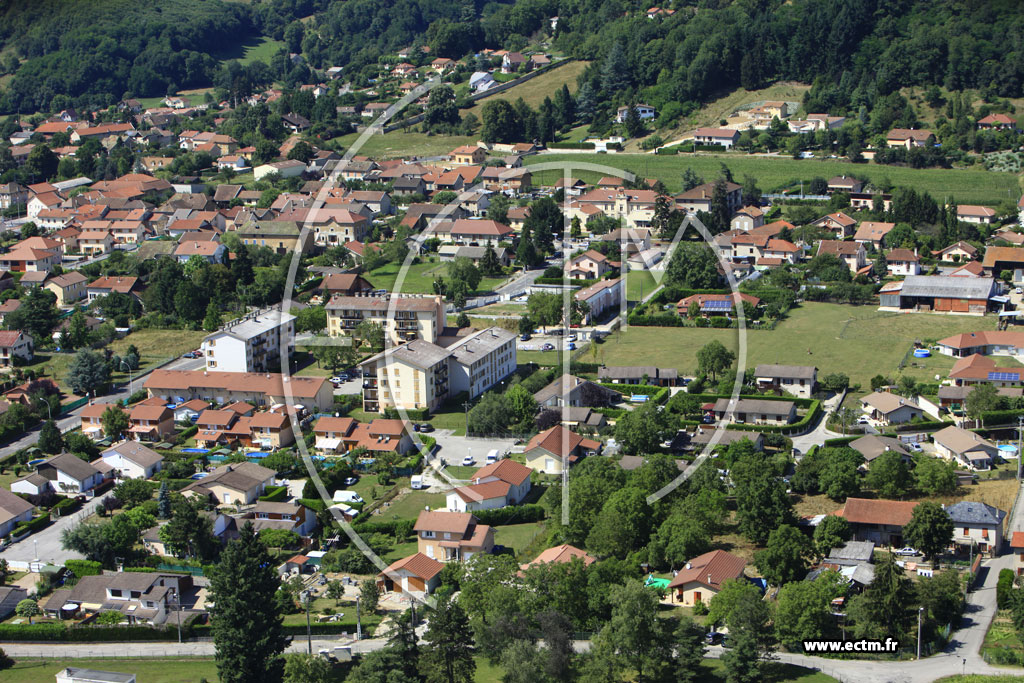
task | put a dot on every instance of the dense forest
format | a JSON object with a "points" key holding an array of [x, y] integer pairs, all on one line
{"points": [[856, 51]]}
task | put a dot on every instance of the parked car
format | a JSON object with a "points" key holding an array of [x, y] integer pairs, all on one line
{"points": [[548, 347], [572, 346], [468, 460], [905, 551], [349, 481], [524, 337], [571, 337], [347, 497], [916, 447], [425, 427], [863, 420], [416, 482], [336, 380]]}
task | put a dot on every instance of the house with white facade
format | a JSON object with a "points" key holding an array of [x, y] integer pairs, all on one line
{"points": [[253, 343]]}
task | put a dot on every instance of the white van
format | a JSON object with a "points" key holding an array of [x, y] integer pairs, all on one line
{"points": [[416, 482], [347, 497], [493, 456]]}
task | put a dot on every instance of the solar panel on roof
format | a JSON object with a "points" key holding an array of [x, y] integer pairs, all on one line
{"points": [[717, 306], [1004, 376]]}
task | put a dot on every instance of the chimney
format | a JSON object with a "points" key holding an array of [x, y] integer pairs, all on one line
{"points": [[709, 578]]}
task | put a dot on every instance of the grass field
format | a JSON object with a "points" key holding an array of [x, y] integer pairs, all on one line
{"points": [[639, 283], [178, 670], [966, 186], [516, 536], [399, 144], [536, 89], [857, 340], [252, 48], [409, 505], [419, 278]]}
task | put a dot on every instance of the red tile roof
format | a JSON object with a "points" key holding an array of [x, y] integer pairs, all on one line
{"points": [[710, 569], [867, 511], [506, 470], [418, 565]]}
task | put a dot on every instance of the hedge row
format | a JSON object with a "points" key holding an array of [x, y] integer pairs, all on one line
{"points": [[813, 405], [513, 514], [65, 506], [840, 441], [800, 402], [83, 634], [275, 494], [82, 568], [658, 320], [400, 528], [420, 414], [1000, 416], [570, 145], [562, 281], [186, 434], [33, 525], [926, 425]]}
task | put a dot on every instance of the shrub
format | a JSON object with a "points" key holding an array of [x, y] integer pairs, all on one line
{"points": [[82, 568], [1004, 588], [274, 494], [513, 514]]}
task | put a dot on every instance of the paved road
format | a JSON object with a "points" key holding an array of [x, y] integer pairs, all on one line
{"points": [[45, 545], [520, 283], [820, 432], [73, 418]]}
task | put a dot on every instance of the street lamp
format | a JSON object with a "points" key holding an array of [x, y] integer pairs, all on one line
{"points": [[124, 363], [359, 627], [309, 633]]}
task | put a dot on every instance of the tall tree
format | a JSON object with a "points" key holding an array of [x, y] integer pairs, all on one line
{"points": [[50, 440], [448, 657], [693, 266], [713, 358], [88, 373], [889, 475], [785, 557], [930, 529], [36, 316], [883, 609], [247, 630]]}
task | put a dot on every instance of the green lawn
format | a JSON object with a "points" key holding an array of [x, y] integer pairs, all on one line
{"points": [[177, 670], [450, 416], [463, 471], [400, 144], [401, 550], [251, 49], [639, 283], [410, 505], [536, 89], [967, 186], [815, 334], [369, 621], [419, 277], [517, 536]]}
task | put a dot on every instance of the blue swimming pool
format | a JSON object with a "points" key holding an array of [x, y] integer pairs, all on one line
{"points": [[198, 475], [33, 463], [195, 450]]}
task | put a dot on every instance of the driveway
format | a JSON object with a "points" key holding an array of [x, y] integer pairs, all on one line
{"points": [[452, 449], [45, 545]]}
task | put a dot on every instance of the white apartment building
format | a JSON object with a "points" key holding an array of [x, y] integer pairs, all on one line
{"points": [[634, 207], [252, 343], [421, 374], [481, 360], [414, 317]]}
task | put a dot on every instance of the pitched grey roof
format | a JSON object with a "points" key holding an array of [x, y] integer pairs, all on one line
{"points": [[947, 286], [136, 453], [872, 446], [970, 512], [635, 372], [853, 550], [71, 465], [792, 371], [755, 405]]}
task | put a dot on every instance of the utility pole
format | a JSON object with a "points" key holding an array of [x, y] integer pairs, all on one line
{"points": [[466, 406], [309, 633], [359, 627], [920, 610]]}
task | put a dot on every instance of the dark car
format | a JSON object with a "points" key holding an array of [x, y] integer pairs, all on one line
{"points": [[426, 427], [524, 337]]}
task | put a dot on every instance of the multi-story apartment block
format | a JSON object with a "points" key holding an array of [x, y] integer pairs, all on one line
{"points": [[422, 375], [252, 343], [421, 317]]}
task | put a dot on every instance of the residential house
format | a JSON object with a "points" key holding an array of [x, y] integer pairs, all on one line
{"points": [[983, 342], [15, 347], [289, 516], [600, 297], [878, 521], [345, 284], [256, 342], [132, 460], [95, 243], [724, 137], [67, 473], [502, 483], [908, 138], [957, 253], [699, 198], [747, 218], [998, 259], [889, 409], [448, 536], [29, 260], [109, 283], [701, 578], [634, 208], [479, 232], [271, 430], [998, 122], [979, 215], [416, 574], [644, 112], [560, 554], [852, 254], [338, 435], [69, 287], [715, 304], [872, 233], [141, 597], [92, 419], [638, 374], [211, 251], [798, 380], [754, 411], [569, 390], [546, 452], [190, 410], [235, 483], [481, 81], [468, 155], [845, 184], [291, 168], [977, 526], [513, 62], [1017, 546], [873, 446], [966, 448], [590, 265], [13, 511], [903, 262], [841, 224], [151, 423]]}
